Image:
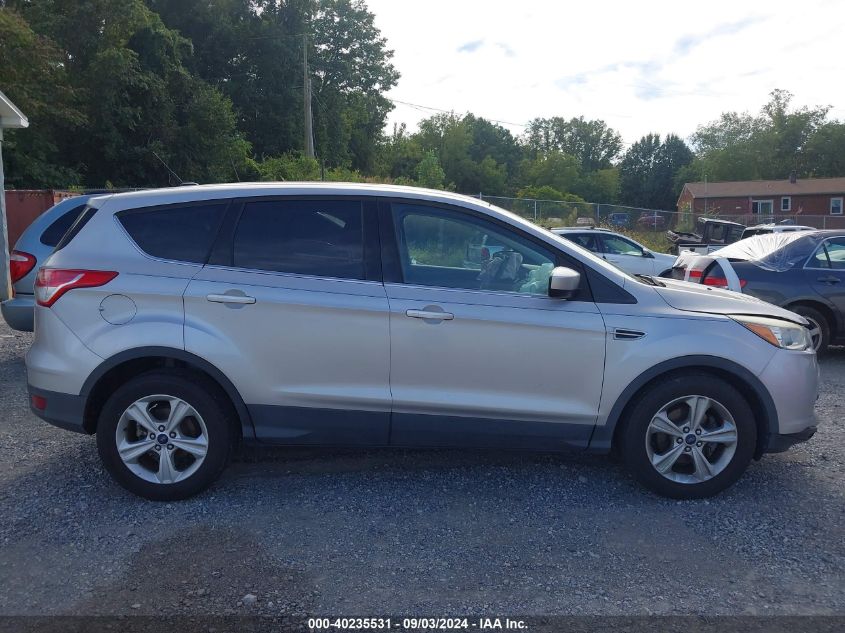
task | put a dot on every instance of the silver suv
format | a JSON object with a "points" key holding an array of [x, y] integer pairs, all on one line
{"points": [[175, 324]]}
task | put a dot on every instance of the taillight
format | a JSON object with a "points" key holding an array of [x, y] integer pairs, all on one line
{"points": [[52, 283], [720, 282], [20, 264]]}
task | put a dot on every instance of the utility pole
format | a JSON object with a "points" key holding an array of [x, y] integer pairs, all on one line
{"points": [[306, 90]]}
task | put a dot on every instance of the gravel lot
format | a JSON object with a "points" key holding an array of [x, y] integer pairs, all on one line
{"points": [[415, 532]]}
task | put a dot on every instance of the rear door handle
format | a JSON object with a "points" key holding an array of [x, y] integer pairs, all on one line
{"points": [[241, 299], [829, 280], [431, 315]]}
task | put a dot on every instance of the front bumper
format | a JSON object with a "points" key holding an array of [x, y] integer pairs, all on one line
{"points": [[63, 410], [19, 312], [780, 443], [792, 380]]}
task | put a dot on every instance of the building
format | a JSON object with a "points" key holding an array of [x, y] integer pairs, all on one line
{"points": [[810, 196]]}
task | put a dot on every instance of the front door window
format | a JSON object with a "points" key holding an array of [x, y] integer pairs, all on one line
{"points": [[445, 249]]}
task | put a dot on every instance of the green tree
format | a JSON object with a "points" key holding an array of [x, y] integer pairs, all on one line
{"points": [[648, 171], [593, 143], [429, 172], [768, 146], [138, 98], [33, 75], [553, 169]]}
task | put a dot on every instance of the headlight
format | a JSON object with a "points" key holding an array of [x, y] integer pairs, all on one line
{"points": [[779, 333]]}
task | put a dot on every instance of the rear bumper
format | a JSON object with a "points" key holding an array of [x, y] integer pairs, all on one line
{"points": [[780, 443], [19, 312], [63, 410]]}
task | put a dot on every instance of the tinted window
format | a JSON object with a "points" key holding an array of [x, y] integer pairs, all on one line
{"points": [[587, 241], [615, 245], [83, 219], [54, 233], [181, 233], [453, 250], [323, 238]]}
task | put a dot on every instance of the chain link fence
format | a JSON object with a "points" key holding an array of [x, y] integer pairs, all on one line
{"points": [[552, 213]]}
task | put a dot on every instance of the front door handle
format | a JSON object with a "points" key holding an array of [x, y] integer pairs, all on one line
{"points": [[430, 315], [240, 299], [829, 279]]}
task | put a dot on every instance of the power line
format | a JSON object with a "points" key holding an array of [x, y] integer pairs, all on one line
{"points": [[433, 109]]}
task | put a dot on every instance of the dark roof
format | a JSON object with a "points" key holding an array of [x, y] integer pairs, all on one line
{"points": [[742, 188]]}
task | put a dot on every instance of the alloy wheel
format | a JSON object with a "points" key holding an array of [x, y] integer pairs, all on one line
{"points": [[161, 439], [691, 439]]}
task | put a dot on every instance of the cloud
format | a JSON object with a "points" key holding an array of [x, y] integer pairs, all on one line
{"points": [[470, 47], [687, 43], [507, 50]]}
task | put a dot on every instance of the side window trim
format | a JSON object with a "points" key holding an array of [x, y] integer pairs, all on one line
{"points": [[222, 253], [391, 262]]}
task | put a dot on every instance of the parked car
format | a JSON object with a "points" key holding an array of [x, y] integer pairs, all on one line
{"points": [[620, 250], [176, 323], [712, 234], [651, 221], [479, 252], [34, 246], [781, 227], [619, 219], [802, 271]]}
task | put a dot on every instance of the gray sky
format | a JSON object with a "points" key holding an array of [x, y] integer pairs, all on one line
{"points": [[642, 66]]}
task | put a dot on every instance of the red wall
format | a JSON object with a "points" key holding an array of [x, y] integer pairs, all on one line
{"points": [[24, 205]]}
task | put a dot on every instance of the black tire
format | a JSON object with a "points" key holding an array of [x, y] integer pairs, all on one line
{"points": [[816, 317], [634, 435], [208, 401]]}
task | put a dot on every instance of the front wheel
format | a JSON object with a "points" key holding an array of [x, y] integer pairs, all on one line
{"points": [[165, 435], [689, 437], [819, 327]]}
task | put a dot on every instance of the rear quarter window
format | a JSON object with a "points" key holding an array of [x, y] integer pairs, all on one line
{"points": [[54, 233], [182, 233]]}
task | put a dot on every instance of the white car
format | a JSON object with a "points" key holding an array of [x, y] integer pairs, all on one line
{"points": [[620, 250]]}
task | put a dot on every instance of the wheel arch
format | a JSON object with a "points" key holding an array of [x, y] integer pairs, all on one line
{"points": [[129, 363], [605, 438]]}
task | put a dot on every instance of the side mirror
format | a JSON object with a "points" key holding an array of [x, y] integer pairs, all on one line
{"points": [[648, 254], [563, 282]]}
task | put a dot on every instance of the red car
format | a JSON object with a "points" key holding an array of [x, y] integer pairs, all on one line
{"points": [[651, 221]]}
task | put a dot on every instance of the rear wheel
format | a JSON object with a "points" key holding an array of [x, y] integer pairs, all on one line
{"points": [[689, 437], [165, 435], [819, 327]]}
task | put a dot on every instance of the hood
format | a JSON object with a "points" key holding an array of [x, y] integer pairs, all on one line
{"points": [[691, 297]]}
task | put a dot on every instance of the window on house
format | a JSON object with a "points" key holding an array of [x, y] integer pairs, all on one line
{"points": [[761, 206], [786, 203], [836, 206]]}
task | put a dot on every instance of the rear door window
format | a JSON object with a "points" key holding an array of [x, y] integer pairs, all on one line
{"points": [[321, 238], [181, 233], [53, 234], [588, 241]]}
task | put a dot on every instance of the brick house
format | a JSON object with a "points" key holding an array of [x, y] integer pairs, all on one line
{"points": [[809, 196]]}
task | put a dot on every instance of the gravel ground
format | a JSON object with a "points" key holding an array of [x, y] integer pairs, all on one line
{"points": [[415, 532]]}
